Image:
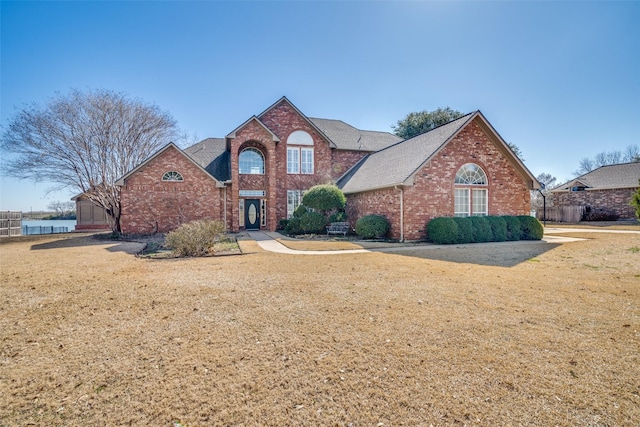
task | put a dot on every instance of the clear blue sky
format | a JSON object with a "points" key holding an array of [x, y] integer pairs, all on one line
{"points": [[559, 79]]}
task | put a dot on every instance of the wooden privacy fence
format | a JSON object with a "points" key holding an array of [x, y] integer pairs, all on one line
{"points": [[562, 214], [10, 223]]}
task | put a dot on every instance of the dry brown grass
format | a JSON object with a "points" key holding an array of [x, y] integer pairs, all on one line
{"points": [[497, 334]]}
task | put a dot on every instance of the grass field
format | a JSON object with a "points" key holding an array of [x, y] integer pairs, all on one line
{"points": [[527, 333]]}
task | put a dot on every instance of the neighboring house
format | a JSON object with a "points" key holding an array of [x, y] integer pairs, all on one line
{"points": [[88, 215], [608, 188], [257, 174]]}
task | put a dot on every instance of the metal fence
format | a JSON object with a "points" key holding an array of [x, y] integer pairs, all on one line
{"points": [[42, 229], [10, 223]]}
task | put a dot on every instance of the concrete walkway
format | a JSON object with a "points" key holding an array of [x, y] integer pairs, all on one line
{"points": [[267, 241]]}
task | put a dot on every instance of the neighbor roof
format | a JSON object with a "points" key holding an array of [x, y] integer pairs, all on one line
{"points": [[395, 165], [623, 175], [347, 137], [211, 154]]}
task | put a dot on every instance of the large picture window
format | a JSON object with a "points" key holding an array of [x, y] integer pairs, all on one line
{"points": [[468, 199], [300, 153], [251, 162]]}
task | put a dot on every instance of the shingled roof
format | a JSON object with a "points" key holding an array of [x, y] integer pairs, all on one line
{"points": [[623, 175], [347, 137], [397, 163], [211, 154]]}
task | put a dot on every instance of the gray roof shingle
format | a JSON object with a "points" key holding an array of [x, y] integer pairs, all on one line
{"points": [[212, 155], [347, 137], [395, 164], [623, 175]]}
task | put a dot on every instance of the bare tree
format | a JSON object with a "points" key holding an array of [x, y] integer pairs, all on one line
{"points": [[62, 209], [548, 182], [605, 158], [85, 141]]}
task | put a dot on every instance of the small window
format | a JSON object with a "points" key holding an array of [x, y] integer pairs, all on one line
{"points": [[251, 193], [172, 176], [251, 162]]}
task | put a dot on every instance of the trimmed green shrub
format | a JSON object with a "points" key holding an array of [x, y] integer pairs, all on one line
{"points": [[299, 211], [282, 224], [481, 229], [194, 238], [498, 228], [530, 228], [372, 227], [513, 227], [313, 222], [465, 229], [293, 227], [340, 216], [442, 231], [324, 198]]}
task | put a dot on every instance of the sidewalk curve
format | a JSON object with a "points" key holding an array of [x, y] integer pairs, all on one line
{"points": [[269, 243]]}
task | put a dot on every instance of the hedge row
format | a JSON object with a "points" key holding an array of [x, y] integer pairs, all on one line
{"points": [[477, 229]]}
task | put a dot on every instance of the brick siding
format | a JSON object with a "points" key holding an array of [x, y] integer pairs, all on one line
{"points": [[151, 205], [431, 194]]}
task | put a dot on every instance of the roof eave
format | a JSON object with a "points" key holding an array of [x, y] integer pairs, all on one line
{"points": [[121, 182], [233, 133]]}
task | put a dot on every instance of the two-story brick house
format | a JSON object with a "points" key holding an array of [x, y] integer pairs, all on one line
{"points": [[257, 174]]}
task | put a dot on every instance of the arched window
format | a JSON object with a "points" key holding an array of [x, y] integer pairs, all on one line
{"points": [[468, 199], [300, 153], [471, 174], [172, 176], [251, 162]]}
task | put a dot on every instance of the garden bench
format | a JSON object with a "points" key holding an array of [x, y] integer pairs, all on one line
{"points": [[338, 228]]}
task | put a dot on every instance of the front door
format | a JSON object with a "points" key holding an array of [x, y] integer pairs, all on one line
{"points": [[252, 214]]}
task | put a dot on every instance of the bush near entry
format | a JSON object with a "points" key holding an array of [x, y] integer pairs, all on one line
{"points": [[447, 230], [313, 222], [372, 227], [194, 238]]}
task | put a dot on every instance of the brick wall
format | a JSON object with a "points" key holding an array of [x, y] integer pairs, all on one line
{"points": [[150, 205], [343, 160], [431, 194], [616, 200]]}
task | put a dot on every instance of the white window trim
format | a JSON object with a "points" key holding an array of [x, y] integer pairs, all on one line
{"points": [[297, 198], [296, 167], [485, 197], [457, 205], [255, 150], [293, 165]]}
